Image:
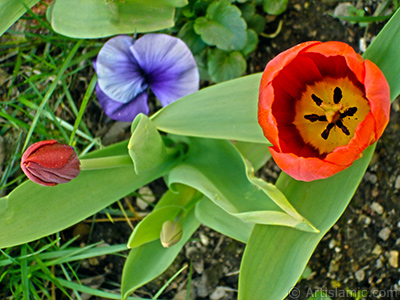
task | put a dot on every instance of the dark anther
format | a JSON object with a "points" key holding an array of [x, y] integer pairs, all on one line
{"points": [[344, 128], [348, 112], [317, 100], [337, 95], [325, 133], [315, 117]]}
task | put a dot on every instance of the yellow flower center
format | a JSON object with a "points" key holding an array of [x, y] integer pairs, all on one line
{"points": [[328, 113]]}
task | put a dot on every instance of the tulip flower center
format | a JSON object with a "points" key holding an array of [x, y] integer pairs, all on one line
{"points": [[328, 113]]}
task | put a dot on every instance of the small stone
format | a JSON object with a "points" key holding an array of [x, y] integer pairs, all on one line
{"points": [[379, 262], [397, 183], [367, 220], [376, 207], [146, 197], [333, 266], [394, 258], [363, 45], [297, 7], [332, 243], [385, 233], [377, 250], [360, 275], [204, 239], [218, 293]]}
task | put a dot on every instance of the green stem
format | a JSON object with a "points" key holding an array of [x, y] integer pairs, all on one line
{"points": [[106, 162]]}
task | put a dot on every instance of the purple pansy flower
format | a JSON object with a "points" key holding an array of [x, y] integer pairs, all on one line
{"points": [[126, 68]]}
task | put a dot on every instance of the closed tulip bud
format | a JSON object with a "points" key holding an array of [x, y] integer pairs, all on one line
{"points": [[49, 163], [171, 233]]}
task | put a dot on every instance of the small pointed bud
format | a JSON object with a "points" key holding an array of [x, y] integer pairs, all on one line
{"points": [[171, 233], [49, 163]]}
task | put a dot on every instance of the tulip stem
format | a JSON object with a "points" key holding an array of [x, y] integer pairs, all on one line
{"points": [[106, 162]]}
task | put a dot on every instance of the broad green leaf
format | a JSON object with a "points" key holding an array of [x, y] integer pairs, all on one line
{"points": [[227, 111], [248, 11], [150, 260], [276, 256], [150, 227], [191, 38], [95, 19], [223, 65], [11, 11], [219, 220], [32, 211], [384, 52], [275, 7], [257, 23], [222, 26], [146, 146], [252, 42], [226, 180], [321, 201]]}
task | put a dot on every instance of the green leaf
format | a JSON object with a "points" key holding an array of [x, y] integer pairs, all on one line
{"points": [[219, 220], [384, 52], [227, 181], [32, 211], [256, 154], [276, 256], [224, 65], [11, 11], [222, 26], [152, 259], [146, 146], [191, 38], [275, 7], [227, 111], [252, 42], [173, 203], [150, 227], [248, 11], [257, 23], [95, 19]]}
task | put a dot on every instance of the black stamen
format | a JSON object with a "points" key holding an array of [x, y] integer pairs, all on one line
{"points": [[317, 100], [315, 117], [337, 95], [344, 128], [348, 112], [325, 133]]}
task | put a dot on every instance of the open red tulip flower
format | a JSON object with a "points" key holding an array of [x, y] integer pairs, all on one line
{"points": [[321, 105], [49, 163]]}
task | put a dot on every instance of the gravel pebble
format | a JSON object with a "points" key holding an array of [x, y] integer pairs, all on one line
{"points": [[360, 275], [397, 183], [376, 207], [384, 233], [394, 258]]}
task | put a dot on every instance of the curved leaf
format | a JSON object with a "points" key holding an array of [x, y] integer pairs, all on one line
{"points": [[223, 65], [225, 111]]}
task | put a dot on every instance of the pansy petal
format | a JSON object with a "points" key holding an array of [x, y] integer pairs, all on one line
{"points": [[124, 112], [169, 66], [119, 75]]}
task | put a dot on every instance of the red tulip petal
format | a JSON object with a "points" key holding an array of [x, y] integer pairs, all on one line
{"points": [[378, 94], [304, 168], [281, 60]]}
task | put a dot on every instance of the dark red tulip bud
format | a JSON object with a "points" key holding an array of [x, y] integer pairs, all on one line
{"points": [[49, 163]]}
